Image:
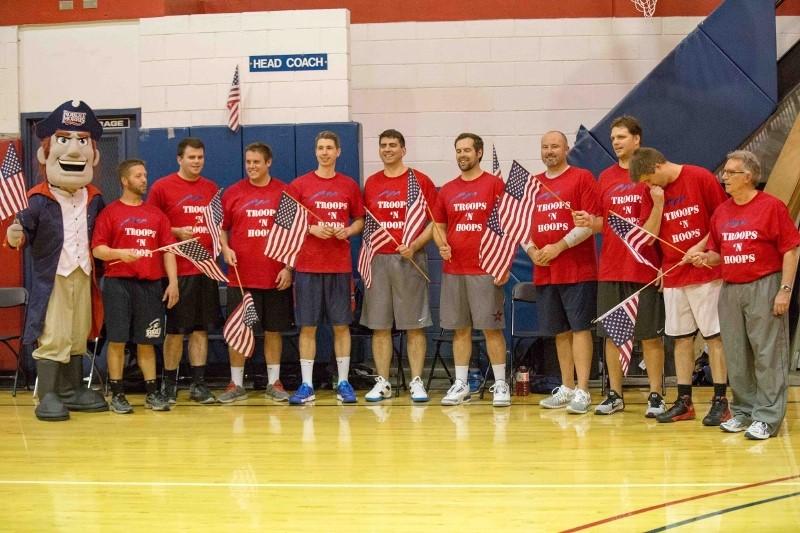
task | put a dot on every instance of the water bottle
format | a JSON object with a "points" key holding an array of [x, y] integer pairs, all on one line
{"points": [[474, 379], [522, 378]]}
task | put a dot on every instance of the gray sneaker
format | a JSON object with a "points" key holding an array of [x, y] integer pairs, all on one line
{"points": [[199, 393], [233, 393], [457, 394], [580, 403], [758, 431], [276, 392], [156, 401], [120, 405], [734, 425], [169, 390], [560, 397], [610, 405]]}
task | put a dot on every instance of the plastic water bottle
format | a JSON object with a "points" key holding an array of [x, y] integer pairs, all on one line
{"points": [[522, 387]]}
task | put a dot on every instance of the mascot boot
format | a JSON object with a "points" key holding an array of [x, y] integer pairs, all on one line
{"points": [[50, 408], [74, 394]]}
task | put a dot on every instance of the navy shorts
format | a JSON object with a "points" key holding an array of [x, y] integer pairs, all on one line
{"points": [[275, 308], [198, 307], [566, 307], [133, 310], [323, 299]]}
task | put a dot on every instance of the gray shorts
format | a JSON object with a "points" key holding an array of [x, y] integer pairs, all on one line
{"points": [[398, 295], [471, 301]]}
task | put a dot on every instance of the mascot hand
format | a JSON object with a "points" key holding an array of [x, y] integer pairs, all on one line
{"points": [[14, 235]]}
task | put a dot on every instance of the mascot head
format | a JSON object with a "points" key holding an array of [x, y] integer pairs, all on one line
{"points": [[68, 153]]}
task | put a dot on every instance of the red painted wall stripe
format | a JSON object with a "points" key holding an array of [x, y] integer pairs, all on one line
{"points": [[361, 11]]}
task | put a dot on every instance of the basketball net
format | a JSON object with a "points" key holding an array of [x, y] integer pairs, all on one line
{"points": [[645, 7]]}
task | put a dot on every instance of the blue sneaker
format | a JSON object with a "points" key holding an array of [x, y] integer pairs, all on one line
{"points": [[304, 394], [345, 392]]}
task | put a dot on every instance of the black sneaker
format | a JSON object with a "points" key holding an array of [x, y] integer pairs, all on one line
{"points": [[655, 405], [156, 401], [169, 390], [719, 412], [120, 405], [610, 405], [682, 409], [199, 393]]}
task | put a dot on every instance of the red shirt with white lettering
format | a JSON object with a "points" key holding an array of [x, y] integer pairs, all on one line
{"points": [[337, 201], [386, 197], [752, 238], [248, 212], [689, 202], [624, 197], [182, 201], [142, 228], [552, 219], [465, 207]]}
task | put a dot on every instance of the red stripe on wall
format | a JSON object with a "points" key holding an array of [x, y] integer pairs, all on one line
{"points": [[361, 11]]}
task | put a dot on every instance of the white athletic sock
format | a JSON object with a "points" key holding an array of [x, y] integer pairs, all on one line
{"points": [[237, 375], [499, 372], [307, 371], [273, 373], [343, 367], [462, 372]]}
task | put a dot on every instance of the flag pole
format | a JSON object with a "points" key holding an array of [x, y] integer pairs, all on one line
{"points": [[601, 317], [236, 269], [310, 212], [398, 244], [162, 249]]}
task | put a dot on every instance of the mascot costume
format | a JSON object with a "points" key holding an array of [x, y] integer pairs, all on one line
{"points": [[65, 307]]}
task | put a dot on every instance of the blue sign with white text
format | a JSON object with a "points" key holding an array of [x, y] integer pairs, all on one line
{"points": [[283, 63]]}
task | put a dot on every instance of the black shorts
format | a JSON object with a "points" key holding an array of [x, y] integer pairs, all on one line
{"points": [[649, 319], [133, 310], [323, 299], [566, 307], [198, 306], [275, 308]]}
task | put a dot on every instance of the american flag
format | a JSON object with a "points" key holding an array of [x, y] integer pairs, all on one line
{"points": [[199, 257], [212, 214], [234, 99], [238, 330], [288, 231], [633, 236], [416, 209], [619, 324], [496, 164], [12, 185], [509, 222], [374, 236]]}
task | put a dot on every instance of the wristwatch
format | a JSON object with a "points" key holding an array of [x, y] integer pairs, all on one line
{"points": [[786, 288]]}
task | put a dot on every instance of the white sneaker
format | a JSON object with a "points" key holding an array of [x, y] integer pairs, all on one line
{"points": [[502, 394], [457, 394], [417, 390], [580, 403], [382, 390], [733, 425], [561, 397], [757, 431]]}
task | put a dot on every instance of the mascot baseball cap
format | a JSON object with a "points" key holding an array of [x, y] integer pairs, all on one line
{"points": [[70, 116]]}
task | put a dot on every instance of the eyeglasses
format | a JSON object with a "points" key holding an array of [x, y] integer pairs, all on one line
{"points": [[733, 172]]}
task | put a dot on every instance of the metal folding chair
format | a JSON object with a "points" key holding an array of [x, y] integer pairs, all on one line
{"points": [[11, 297]]}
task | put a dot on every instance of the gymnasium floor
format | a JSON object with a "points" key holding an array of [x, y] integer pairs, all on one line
{"points": [[391, 467]]}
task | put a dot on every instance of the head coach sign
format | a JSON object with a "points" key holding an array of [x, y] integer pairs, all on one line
{"points": [[282, 63]]}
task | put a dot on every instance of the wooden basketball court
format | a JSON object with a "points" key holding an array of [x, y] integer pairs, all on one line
{"points": [[390, 467]]}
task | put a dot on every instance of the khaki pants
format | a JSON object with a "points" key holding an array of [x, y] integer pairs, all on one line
{"points": [[68, 318]]}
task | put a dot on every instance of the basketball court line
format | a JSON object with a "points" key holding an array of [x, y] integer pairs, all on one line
{"points": [[679, 501]]}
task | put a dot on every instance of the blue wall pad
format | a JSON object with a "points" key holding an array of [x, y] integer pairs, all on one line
{"points": [[158, 147], [224, 157], [279, 137], [589, 153], [349, 137], [745, 32]]}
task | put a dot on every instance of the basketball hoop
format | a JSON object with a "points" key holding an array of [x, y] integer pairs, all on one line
{"points": [[645, 7]]}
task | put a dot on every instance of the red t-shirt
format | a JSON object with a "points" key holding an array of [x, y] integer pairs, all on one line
{"points": [[465, 207], [248, 214], [337, 201], [142, 228], [386, 199], [752, 238], [552, 219], [624, 197], [182, 201], [689, 202]]}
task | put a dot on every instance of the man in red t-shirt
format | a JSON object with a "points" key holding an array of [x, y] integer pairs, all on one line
{"points": [[565, 269], [682, 199], [621, 274], [182, 196], [470, 298], [249, 208], [756, 242], [324, 274], [398, 294], [126, 233]]}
